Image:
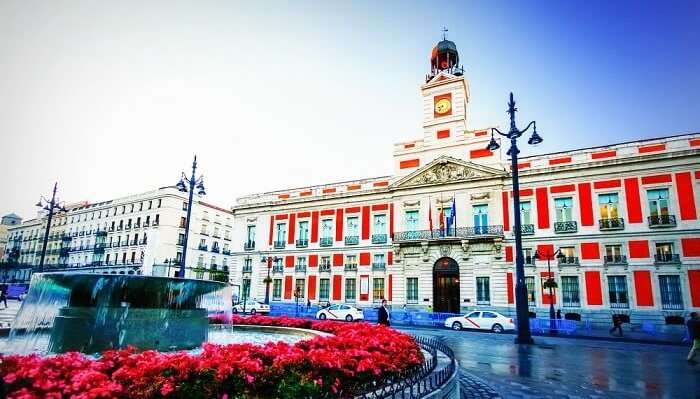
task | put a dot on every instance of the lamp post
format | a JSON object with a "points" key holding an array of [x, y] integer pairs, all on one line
{"points": [[522, 313], [268, 279], [550, 286], [50, 206], [188, 185]]}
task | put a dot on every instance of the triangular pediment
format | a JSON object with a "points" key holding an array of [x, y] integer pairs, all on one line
{"points": [[447, 170], [441, 76]]}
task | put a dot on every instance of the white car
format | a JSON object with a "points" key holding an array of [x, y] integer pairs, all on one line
{"points": [[481, 320], [252, 307], [340, 312]]}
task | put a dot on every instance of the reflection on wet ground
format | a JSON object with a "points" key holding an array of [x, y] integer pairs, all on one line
{"points": [[565, 367]]}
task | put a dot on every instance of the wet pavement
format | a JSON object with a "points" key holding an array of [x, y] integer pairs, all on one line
{"points": [[559, 367]]}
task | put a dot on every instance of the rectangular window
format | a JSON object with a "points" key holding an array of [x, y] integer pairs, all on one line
{"points": [[412, 290], [481, 218], [658, 202], [246, 288], [181, 239], [528, 256], [608, 205], [351, 260], [327, 228], [281, 232], [530, 284], [670, 287], [570, 292], [184, 206], [325, 261], [324, 289], [304, 230], [350, 290], [378, 289], [525, 212], [301, 261], [483, 291], [352, 226], [411, 221], [617, 289], [614, 250], [379, 259], [379, 224], [563, 209], [277, 289], [250, 233], [300, 287]]}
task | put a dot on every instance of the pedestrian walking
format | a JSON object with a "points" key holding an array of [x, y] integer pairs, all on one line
{"points": [[559, 314], [308, 305], [693, 325], [383, 314], [3, 298], [617, 324]]}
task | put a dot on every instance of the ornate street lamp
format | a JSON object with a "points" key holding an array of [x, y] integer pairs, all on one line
{"points": [[50, 206], [188, 185], [268, 279], [522, 313], [551, 285]]}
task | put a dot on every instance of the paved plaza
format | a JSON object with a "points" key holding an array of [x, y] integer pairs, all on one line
{"points": [[571, 368]]}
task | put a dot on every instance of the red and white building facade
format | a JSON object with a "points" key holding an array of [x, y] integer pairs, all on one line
{"points": [[624, 216]]}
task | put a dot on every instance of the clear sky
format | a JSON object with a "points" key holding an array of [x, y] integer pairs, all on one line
{"points": [[113, 98]]}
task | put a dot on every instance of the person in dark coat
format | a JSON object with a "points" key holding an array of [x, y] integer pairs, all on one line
{"points": [[694, 331], [383, 314], [617, 325]]}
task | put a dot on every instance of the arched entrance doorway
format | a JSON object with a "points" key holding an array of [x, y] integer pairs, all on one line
{"points": [[446, 286]]}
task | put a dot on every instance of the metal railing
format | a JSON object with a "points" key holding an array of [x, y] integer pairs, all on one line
{"points": [[326, 241], [247, 269], [615, 259], [662, 221], [611, 224], [378, 266], [279, 244], [302, 243], [300, 268], [667, 258], [324, 268], [201, 247], [215, 250], [249, 245], [351, 267], [451, 233], [527, 229], [278, 269], [568, 260], [566, 227], [378, 238], [352, 240]]}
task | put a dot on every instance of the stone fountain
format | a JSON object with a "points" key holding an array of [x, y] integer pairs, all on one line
{"points": [[93, 312]]}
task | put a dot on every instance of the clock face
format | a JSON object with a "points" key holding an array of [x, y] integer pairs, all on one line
{"points": [[443, 106]]}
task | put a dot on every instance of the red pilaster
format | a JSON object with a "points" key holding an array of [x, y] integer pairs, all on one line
{"points": [[584, 198], [314, 226], [642, 287], [686, 196], [292, 227], [634, 204], [288, 287], [506, 211], [339, 222], [542, 207], [365, 222], [337, 287], [594, 295], [312, 288]]}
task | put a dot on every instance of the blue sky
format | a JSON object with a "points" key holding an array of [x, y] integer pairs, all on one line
{"points": [[114, 98]]}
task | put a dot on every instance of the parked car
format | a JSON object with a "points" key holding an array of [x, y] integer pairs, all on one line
{"points": [[340, 312], [252, 307], [481, 320]]}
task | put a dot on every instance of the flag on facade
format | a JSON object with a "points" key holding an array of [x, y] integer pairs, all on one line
{"points": [[453, 213], [430, 215], [442, 220]]}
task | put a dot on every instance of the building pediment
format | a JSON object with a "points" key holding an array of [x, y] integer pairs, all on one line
{"points": [[447, 170]]}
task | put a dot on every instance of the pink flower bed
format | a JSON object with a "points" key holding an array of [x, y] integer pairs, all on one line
{"points": [[340, 365]]}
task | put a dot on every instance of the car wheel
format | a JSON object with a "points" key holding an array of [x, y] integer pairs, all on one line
{"points": [[456, 326], [252, 311], [348, 318], [497, 328], [322, 316]]}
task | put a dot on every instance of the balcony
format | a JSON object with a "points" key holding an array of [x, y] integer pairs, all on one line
{"points": [[215, 249], [302, 243], [326, 242], [324, 268], [249, 245], [111, 229], [477, 232], [202, 247], [662, 221], [277, 269], [611, 224], [68, 238], [527, 229], [352, 240], [134, 242], [127, 227], [279, 244], [351, 267], [101, 233], [180, 243], [568, 260], [155, 223], [609, 260], [99, 248], [667, 259], [300, 268], [125, 244], [379, 266], [247, 268], [144, 241], [378, 238], [566, 227], [137, 225], [226, 252], [119, 228], [675, 305], [146, 224]]}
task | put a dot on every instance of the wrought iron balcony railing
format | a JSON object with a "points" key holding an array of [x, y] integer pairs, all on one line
{"points": [[249, 245], [352, 240], [277, 269], [451, 233], [326, 241], [677, 305], [662, 221], [300, 268], [615, 260], [279, 244], [324, 268], [568, 260], [202, 247], [378, 238], [351, 267], [247, 269], [378, 266], [302, 243], [226, 252], [215, 250], [527, 229], [566, 227], [611, 224], [667, 258]]}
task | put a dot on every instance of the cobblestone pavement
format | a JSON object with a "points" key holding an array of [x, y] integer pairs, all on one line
{"points": [[559, 367]]}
